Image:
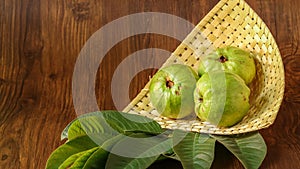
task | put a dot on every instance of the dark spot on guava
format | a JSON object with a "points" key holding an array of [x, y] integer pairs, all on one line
{"points": [[169, 83], [222, 59], [177, 92], [200, 100]]}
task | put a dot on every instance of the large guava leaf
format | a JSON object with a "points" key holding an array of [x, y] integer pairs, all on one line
{"points": [[70, 160], [128, 123], [94, 126], [195, 150], [68, 149], [92, 158], [109, 123], [137, 151], [98, 159], [82, 159], [87, 124], [250, 148]]}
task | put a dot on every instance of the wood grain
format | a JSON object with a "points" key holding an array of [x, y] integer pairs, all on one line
{"points": [[40, 41]]}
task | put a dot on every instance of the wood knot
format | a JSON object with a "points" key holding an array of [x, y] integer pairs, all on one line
{"points": [[52, 76], [27, 102], [2, 81], [4, 157], [81, 10]]}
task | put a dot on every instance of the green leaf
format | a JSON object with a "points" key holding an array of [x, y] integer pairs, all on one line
{"points": [[170, 154], [66, 150], [138, 152], [64, 134], [103, 127], [250, 149], [67, 163], [81, 161], [91, 124], [93, 158], [99, 158], [194, 150], [110, 123], [127, 123]]}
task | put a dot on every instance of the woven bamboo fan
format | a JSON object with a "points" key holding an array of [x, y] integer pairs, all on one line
{"points": [[230, 22]]}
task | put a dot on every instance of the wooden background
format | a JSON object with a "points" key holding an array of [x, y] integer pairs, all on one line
{"points": [[40, 41]]}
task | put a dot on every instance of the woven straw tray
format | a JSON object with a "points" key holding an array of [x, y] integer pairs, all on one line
{"points": [[230, 22]]}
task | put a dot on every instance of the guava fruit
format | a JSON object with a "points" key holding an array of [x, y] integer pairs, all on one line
{"points": [[221, 98], [171, 91], [231, 59]]}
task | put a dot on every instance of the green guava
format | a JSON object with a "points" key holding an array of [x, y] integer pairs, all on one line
{"points": [[221, 98], [171, 91], [231, 59]]}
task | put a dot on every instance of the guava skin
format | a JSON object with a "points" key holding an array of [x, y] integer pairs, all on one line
{"points": [[171, 91], [230, 59], [221, 98]]}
